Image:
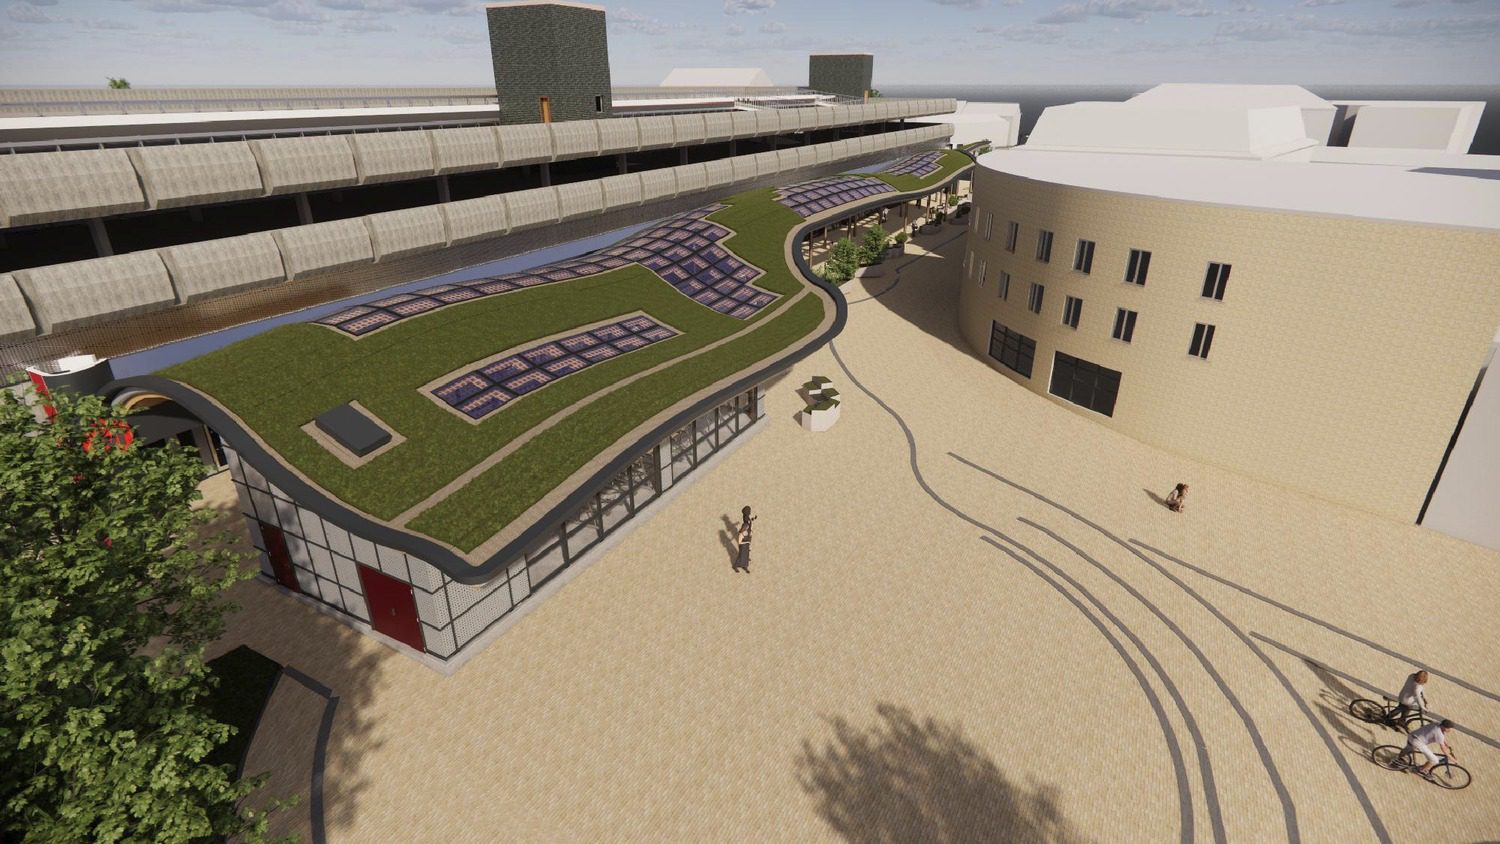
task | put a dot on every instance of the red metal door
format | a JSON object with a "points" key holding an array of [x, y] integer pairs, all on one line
{"points": [[393, 611], [281, 561]]}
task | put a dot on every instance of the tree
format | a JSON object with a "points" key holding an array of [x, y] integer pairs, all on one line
{"points": [[872, 249], [873, 93], [110, 592], [118, 84], [842, 263]]}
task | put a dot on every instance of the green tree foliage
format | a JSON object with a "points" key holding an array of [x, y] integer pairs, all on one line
{"points": [[873, 93], [108, 593], [842, 263], [118, 84], [872, 248]]}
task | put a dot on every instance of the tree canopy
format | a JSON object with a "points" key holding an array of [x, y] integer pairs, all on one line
{"points": [[109, 591]]}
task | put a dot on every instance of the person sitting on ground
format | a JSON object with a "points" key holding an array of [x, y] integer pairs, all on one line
{"points": [[1175, 498], [1422, 738], [1413, 698]]}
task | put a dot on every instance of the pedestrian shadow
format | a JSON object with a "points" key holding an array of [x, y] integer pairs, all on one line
{"points": [[1154, 497], [908, 780], [727, 536]]}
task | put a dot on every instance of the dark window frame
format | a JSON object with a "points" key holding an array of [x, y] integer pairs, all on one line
{"points": [[1124, 329], [1072, 312], [1084, 383], [1215, 280], [1012, 233], [1044, 246], [1083, 256], [1203, 340], [1138, 267], [1036, 297], [1017, 351]]}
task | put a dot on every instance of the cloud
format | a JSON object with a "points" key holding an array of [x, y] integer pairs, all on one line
{"points": [[1196, 10], [1409, 4], [1122, 9], [734, 30], [1314, 3], [773, 27], [748, 7], [1253, 30], [363, 25], [1029, 33], [27, 13], [965, 4], [1472, 26]]}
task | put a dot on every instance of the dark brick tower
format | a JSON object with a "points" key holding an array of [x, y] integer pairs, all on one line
{"points": [[551, 61]]}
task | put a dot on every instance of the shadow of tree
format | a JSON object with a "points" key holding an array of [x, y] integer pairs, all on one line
{"points": [[909, 780]]}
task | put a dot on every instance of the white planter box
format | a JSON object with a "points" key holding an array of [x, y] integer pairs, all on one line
{"points": [[820, 420]]}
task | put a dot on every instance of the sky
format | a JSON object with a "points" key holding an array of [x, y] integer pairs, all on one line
{"points": [[961, 42]]}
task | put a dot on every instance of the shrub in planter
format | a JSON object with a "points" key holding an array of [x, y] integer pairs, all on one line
{"points": [[872, 250]]}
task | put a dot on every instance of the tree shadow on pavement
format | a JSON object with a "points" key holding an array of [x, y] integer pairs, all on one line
{"points": [[931, 303], [908, 780]]}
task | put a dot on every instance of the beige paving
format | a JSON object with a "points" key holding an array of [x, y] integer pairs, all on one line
{"points": [[884, 674]]}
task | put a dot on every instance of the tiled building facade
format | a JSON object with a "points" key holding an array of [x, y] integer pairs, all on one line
{"points": [[414, 603], [1328, 354], [850, 74]]}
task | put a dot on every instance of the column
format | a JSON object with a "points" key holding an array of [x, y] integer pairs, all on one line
{"points": [[442, 185], [664, 463], [546, 170], [304, 210], [101, 238], [622, 166], [760, 402]]}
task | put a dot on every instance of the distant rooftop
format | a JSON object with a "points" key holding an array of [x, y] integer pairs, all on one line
{"points": [[1434, 187], [717, 77]]}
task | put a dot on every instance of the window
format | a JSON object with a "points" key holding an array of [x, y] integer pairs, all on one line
{"points": [[1140, 262], [1013, 350], [1203, 337], [1214, 281], [1034, 302], [1124, 325], [989, 223], [982, 267], [1002, 287], [1072, 310], [1044, 246], [599, 104], [1085, 384], [1083, 256], [1012, 231]]}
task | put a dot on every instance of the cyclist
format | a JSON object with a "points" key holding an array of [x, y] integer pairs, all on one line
{"points": [[1413, 698], [1422, 738]]}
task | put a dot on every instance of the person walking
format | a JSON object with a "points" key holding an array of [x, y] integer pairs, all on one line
{"points": [[742, 537], [1175, 501]]}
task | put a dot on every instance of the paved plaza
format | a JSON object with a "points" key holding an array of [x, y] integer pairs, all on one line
{"points": [[968, 617]]}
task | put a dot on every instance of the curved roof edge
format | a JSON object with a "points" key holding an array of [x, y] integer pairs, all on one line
{"points": [[444, 557]]}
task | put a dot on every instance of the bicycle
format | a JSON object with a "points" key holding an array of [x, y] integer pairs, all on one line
{"points": [[1445, 774], [1384, 715]]}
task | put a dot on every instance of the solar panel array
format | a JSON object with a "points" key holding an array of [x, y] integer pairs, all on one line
{"points": [[809, 198], [683, 250], [490, 387], [920, 165]]}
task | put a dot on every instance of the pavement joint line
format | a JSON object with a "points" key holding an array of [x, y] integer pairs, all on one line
{"points": [[1184, 796], [1289, 808], [1320, 622], [1369, 687], [315, 807], [911, 444]]}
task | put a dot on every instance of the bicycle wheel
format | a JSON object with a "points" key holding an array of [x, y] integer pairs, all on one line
{"points": [[1368, 711], [1388, 756], [1451, 776]]}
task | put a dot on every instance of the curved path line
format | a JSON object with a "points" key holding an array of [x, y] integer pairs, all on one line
{"points": [[315, 812], [1210, 787], [1369, 687], [1457, 681], [1184, 797], [1289, 809]]}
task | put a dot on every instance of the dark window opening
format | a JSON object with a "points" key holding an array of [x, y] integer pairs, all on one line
{"points": [[1215, 280], [1072, 310], [1083, 256], [1044, 246], [1140, 263], [1203, 338], [1015, 351], [1085, 384], [1124, 325]]}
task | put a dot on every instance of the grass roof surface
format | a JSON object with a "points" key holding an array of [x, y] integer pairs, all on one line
{"points": [[276, 382]]}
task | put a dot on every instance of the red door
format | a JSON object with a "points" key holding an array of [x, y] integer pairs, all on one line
{"points": [[393, 611], [281, 561]]}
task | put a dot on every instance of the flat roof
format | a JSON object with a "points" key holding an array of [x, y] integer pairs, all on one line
{"points": [[70, 121], [1394, 193]]}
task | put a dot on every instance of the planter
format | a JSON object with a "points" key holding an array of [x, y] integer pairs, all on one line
{"points": [[897, 249], [820, 417]]}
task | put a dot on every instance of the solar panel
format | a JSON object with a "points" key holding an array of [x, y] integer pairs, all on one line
{"points": [[482, 391], [809, 198], [922, 164], [683, 251]]}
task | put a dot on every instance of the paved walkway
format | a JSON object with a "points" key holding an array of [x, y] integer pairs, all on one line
{"points": [[969, 617]]}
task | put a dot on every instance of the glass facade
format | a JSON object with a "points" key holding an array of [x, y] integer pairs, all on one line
{"points": [[324, 560]]}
